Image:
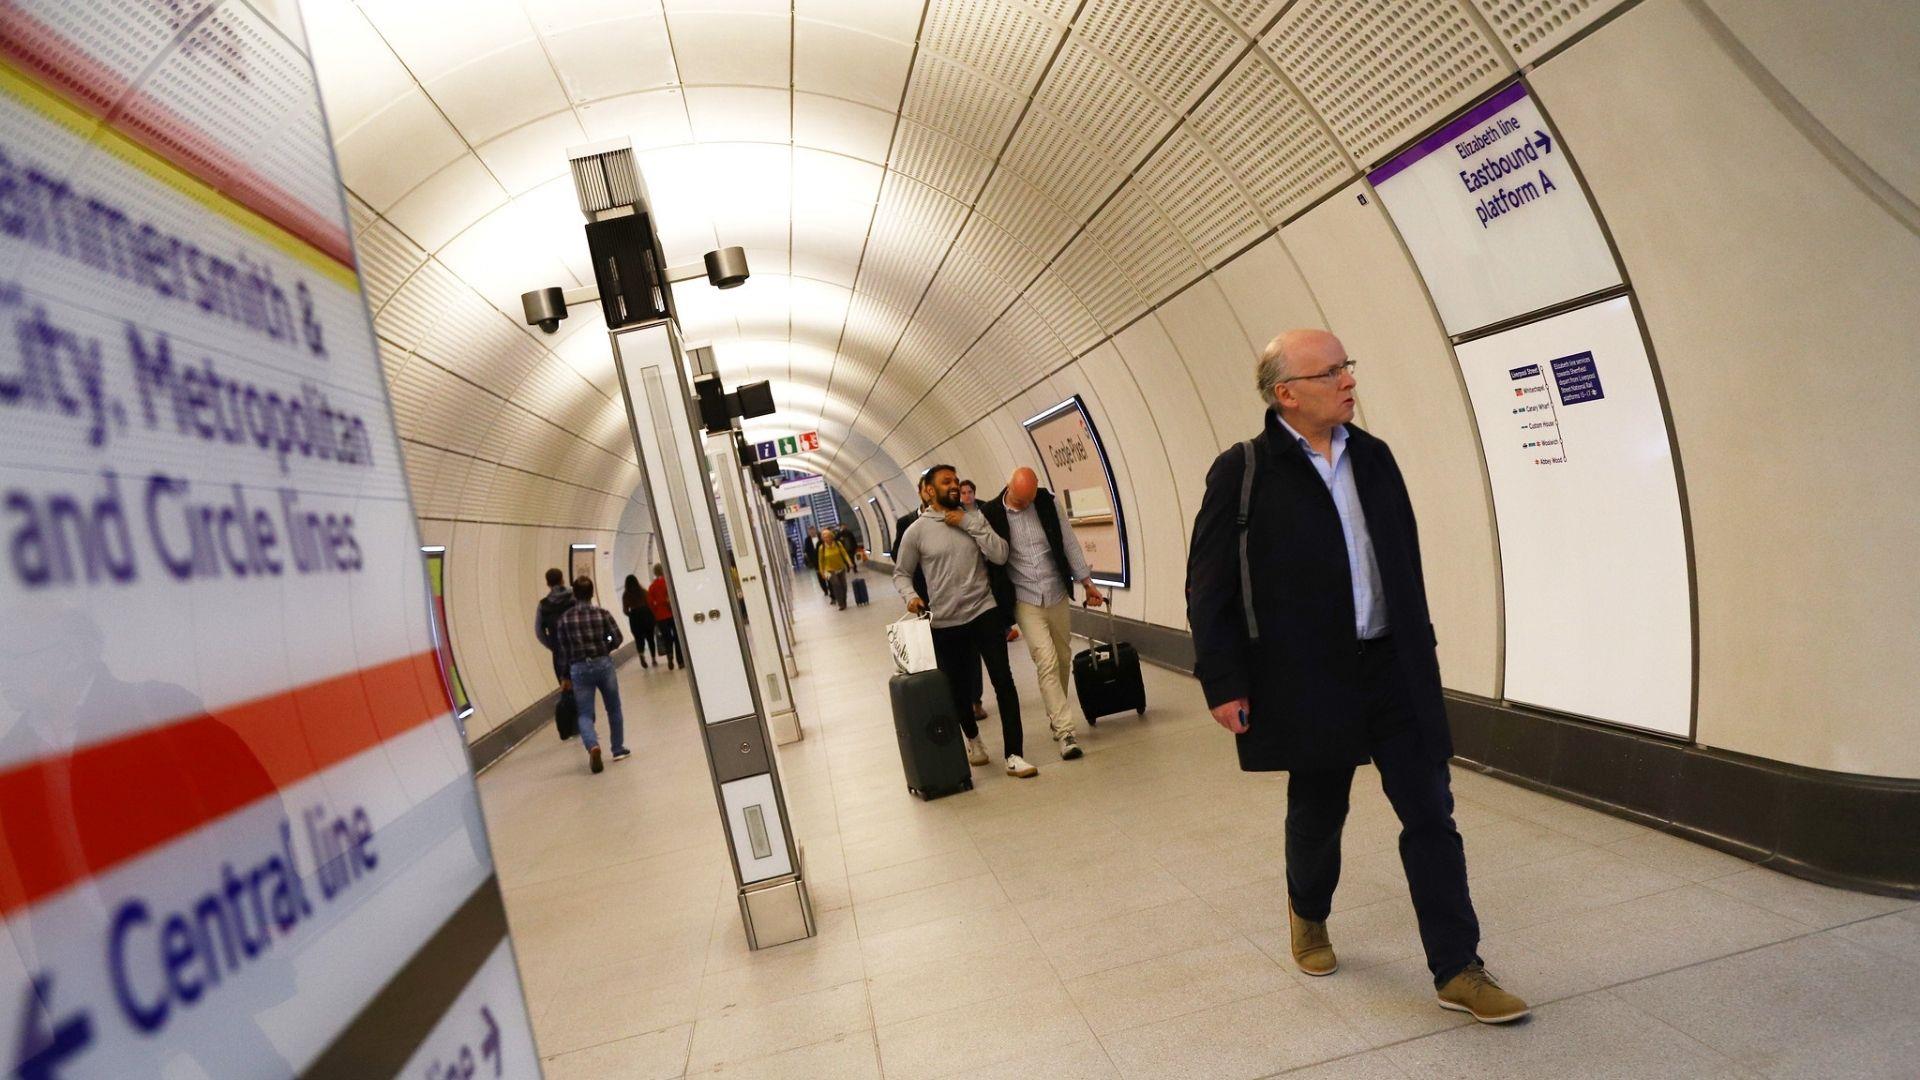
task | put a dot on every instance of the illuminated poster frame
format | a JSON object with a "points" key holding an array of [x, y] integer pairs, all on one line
{"points": [[456, 687], [883, 528], [1036, 425]]}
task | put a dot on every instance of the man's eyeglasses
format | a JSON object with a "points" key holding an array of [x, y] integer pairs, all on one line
{"points": [[1345, 367]]}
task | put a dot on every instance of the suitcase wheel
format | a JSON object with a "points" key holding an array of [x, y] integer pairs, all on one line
{"points": [[1093, 721], [1141, 711], [967, 784]]}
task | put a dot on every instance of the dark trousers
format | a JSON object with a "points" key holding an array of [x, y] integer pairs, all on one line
{"points": [[837, 588], [1420, 790], [670, 642], [643, 642], [959, 651]]}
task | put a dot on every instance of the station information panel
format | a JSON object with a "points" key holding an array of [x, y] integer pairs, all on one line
{"points": [[239, 834]]}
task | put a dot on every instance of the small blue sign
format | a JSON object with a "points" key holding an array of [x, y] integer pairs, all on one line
{"points": [[1577, 378], [765, 450]]}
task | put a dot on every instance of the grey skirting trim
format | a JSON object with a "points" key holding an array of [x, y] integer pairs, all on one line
{"points": [[1844, 829]]}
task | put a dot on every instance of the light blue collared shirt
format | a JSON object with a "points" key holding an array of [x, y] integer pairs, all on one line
{"points": [[1369, 603]]}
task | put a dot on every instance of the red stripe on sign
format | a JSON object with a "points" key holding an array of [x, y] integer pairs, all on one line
{"points": [[69, 817], [65, 68]]}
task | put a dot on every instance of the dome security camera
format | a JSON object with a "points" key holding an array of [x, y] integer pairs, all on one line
{"points": [[544, 308]]}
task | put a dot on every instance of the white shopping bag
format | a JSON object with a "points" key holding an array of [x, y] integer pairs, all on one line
{"points": [[911, 640]]}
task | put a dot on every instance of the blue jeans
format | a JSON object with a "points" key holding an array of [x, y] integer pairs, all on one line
{"points": [[588, 674]]}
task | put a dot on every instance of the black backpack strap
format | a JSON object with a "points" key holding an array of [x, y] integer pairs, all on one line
{"points": [[1240, 520]]}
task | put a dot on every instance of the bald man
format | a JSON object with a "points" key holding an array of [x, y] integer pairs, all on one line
{"points": [[1043, 561], [1313, 644]]}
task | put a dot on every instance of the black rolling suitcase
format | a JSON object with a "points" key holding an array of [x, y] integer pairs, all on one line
{"points": [[931, 750], [1107, 677], [860, 592], [566, 715]]}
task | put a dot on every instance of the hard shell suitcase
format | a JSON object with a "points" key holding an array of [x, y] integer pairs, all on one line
{"points": [[931, 749], [1106, 676], [566, 715], [860, 591]]}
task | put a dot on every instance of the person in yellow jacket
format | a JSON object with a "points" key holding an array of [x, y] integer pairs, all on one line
{"points": [[834, 563]]}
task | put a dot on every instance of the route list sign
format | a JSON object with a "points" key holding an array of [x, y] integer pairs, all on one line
{"points": [[239, 835], [1592, 547], [1495, 216]]}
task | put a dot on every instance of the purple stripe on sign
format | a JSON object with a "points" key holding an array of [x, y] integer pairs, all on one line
{"points": [[1469, 120]]}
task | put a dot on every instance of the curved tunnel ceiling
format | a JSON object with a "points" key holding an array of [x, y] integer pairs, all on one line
{"points": [[943, 201], [961, 194]]}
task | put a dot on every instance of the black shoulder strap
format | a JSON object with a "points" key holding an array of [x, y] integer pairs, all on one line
{"points": [[1246, 570]]}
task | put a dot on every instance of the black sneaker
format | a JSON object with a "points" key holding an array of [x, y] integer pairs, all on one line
{"points": [[1070, 748], [593, 760], [622, 754]]}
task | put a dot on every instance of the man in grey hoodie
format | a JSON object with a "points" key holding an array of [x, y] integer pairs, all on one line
{"points": [[952, 547]]}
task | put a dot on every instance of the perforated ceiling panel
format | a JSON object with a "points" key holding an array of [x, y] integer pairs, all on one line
{"points": [[1065, 314], [1380, 72], [1531, 27], [1050, 157], [1099, 282], [1004, 41], [1150, 251], [938, 161], [1280, 153], [1105, 106], [949, 97], [1202, 202], [1252, 15], [1174, 47]]}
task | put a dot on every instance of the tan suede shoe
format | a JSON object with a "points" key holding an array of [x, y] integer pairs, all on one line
{"points": [[1474, 991], [1312, 949]]}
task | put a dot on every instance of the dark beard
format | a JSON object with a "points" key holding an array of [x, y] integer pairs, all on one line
{"points": [[949, 505]]}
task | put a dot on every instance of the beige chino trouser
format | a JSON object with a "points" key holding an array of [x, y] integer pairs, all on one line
{"points": [[1048, 632]]}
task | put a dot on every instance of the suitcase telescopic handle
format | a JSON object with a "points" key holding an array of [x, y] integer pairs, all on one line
{"points": [[1112, 635]]}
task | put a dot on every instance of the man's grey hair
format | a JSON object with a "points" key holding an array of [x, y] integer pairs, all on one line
{"points": [[1273, 368]]}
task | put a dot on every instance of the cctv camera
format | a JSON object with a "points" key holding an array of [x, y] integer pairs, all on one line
{"points": [[727, 267], [544, 308]]}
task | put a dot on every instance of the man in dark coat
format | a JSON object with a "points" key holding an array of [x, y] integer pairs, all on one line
{"points": [[1337, 665], [546, 620], [813, 558]]}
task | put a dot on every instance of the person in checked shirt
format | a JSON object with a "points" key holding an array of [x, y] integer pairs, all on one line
{"points": [[587, 636]]}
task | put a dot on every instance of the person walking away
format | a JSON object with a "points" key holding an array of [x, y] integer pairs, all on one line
{"points": [[546, 622], [663, 618], [1043, 561], [588, 636], [955, 547], [633, 600], [834, 564], [813, 559], [1327, 658]]}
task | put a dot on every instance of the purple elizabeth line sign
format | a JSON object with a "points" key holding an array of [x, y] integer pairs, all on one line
{"points": [[1577, 378], [1473, 118]]}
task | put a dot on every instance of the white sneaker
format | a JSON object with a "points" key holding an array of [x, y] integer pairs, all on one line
{"points": [[976, 752], [1017, 766]]}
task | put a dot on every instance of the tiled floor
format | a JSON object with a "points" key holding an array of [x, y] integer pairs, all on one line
{"points": [[1123, 916]]}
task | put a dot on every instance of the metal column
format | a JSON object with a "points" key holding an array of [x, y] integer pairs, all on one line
{"points": [[767, 868], [769, 668]]}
